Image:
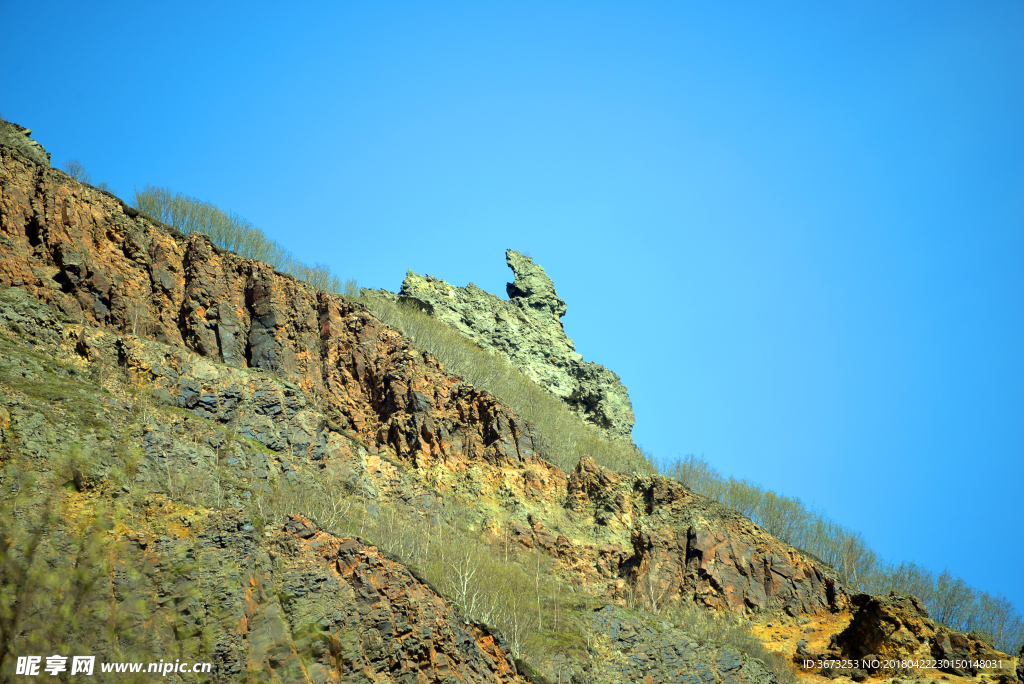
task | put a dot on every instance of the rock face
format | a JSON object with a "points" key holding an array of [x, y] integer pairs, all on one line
{"points": [[369, 615], [106, 267], [898, 628], [527, 329], [293, 604], [696, 548]]}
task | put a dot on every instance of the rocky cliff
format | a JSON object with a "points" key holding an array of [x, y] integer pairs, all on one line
{"points": [[208, 405], [527, 329]]}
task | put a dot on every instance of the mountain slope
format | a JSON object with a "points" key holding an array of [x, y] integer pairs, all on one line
{"points": [[207, 407]]}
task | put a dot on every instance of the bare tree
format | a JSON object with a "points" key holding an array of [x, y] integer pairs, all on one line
{"points": [[76, 170]]}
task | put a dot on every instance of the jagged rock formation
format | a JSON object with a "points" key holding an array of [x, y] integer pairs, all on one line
{"points": [[703, 550], [106, 267], [527, 329]]}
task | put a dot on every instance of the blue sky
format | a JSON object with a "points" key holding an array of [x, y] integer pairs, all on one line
{"points": [[796, 231]]}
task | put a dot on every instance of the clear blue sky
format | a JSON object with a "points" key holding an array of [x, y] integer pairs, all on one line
{"points": [[795, 230]]}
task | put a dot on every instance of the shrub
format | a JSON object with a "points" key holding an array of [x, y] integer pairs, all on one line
{"points": [[76, 170]]}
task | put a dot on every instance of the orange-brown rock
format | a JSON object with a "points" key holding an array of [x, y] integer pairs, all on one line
{"points": [[397, 628], [300, 605]]}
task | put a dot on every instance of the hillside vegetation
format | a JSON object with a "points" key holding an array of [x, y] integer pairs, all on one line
{"points": [[231, 231]]}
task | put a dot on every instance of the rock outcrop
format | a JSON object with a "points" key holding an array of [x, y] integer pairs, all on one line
{"points": [[696, 548], [897, 628], [527, 329], [19, 138]]}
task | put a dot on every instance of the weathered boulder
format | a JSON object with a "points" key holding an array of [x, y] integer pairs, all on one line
{"points": [[527, 329]]}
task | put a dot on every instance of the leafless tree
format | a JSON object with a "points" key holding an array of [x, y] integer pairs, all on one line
{"points": [[76, 170]]}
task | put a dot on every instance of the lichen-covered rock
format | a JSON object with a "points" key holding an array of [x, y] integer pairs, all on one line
{"points": [[527, 329], [20, 138]]}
